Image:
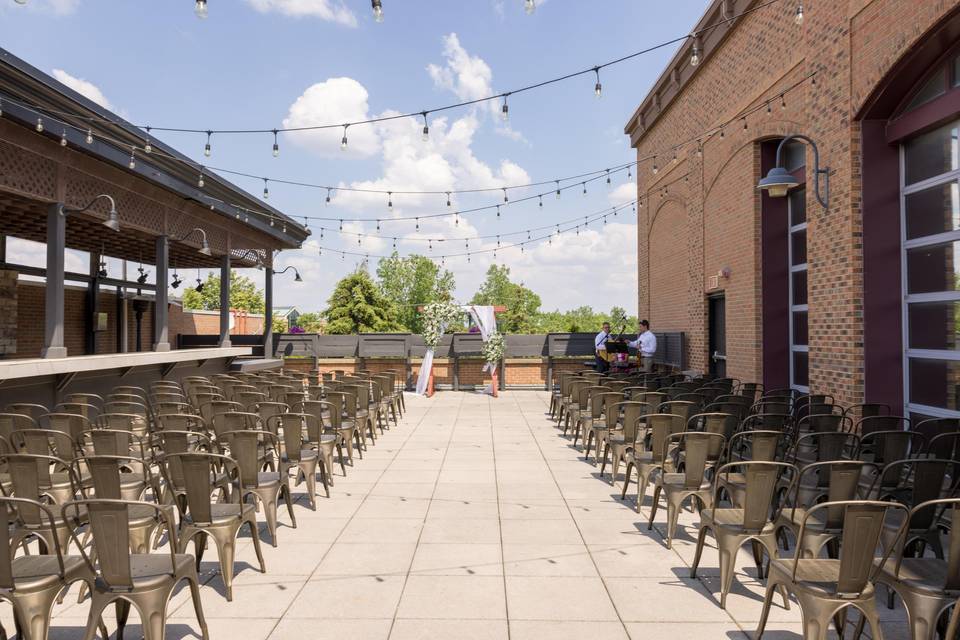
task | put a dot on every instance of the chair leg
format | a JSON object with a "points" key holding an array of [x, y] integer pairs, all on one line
{"points": [[626, 480], [587, 440], [673, 515], [194, 584], [225, 542], [653, 510], [765, 612], [122, 607], [285, 490], [98, 603], [310, 472], [603, 461], [701, 540], [643, 480], [343, 467], [728, 547], [33, 614]]}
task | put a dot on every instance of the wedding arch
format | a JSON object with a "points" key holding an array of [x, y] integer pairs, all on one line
{"points": [[437, 316]]}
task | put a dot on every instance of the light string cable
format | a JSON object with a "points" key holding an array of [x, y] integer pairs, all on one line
{"points": [[558, 230], [425, 113]]}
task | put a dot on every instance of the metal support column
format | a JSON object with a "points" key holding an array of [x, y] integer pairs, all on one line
{"points": [[225, 301], [161, 314], [268, 312], [93, 303], [53, 346]]}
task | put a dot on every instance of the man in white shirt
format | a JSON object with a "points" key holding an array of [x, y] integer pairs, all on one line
{"points": [[646, 345], [600, 348]]}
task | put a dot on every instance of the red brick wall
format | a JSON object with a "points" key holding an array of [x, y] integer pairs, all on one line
{"points": [[208, 322], [852, 45]]}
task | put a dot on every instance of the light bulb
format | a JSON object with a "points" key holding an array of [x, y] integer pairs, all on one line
{"points": [[266, 190], [505, 110], [558, 189], [377, 10], [426, 133], [328, 197], [200, 182], [798, 18], [343, 140], [63, 138], [390, 200], [39, 125], [584, 184], [133, 161], [200, 9], [276, 146], [694, 57], [148, 148], [597, 88], [89, 136], [448, 198], [206, 147], [505, 198]]}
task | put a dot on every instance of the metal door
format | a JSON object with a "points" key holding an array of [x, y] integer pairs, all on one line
{"points": [[717, 317]]}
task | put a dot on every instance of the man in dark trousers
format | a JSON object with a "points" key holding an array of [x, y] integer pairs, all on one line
{"points": [[600, 348]]}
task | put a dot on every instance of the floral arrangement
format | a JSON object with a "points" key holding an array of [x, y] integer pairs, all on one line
{"points": [[437, 316], [493, 348], [296, 329]]}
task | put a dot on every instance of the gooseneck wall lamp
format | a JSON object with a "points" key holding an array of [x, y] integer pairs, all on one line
{"points": [[779, 181], [296, 274], [204, 246], [113, 220]]}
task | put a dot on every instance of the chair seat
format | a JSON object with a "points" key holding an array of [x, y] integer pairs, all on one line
{"points": [[729, 518], [35, 573], [678, 480], [918, 574], [305, 455], [154, 570], [817, 575], [222, 512]]}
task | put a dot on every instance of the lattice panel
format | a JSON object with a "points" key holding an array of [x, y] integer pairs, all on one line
{"points": [[133, 209], [27, 173]]}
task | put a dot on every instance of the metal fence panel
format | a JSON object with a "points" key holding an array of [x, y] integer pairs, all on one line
{"points": [[525, 346], [384, 345]]}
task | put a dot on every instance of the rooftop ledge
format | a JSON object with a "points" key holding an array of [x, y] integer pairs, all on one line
{"points": [[31, 367]]}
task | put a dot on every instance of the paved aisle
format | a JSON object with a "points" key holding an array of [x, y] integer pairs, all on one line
{"points": [[474, 519]]}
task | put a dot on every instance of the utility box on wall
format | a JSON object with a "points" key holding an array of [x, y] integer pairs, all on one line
{"points": [[8, 312]]}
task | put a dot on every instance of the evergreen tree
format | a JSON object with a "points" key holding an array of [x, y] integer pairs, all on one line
{"points": [[357, 306]]}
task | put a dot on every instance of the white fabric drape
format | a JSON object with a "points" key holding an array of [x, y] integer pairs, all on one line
{"points": [[424, 376], [486, 320]]}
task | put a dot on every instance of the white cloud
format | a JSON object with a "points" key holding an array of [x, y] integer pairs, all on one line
{"points": [[83, 87], [49, 7], [329, 10], [622, 194], [334, 100], [467, 77]]}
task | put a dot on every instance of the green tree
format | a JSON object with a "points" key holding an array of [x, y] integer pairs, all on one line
{"points": [[411, 281], [244, 295], [522, 304], [357, 306], [311, 322], [279, 324]]}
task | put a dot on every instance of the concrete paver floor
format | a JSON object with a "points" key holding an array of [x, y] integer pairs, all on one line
{"points": [[475, 519]]}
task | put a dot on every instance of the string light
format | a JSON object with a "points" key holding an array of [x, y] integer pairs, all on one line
{"points": [[276, 144], [133, 160], [798, 17], [200, 9], [378, 226], [597, 88], [343, 140], [541, 201], [695, 54], [448, 198], [89, 136], [529, 6], [498, 211], [266, 190], [744, 119], [699, 148], [426, 128], [63, 138], [505, 109], [200, 179], [341, 224], [328, 197], [206, 147], [377, 10], [584, 184], [783, 101], [39, 126], [418, 224], [147, 147], [655, 169], [768, 107], [608, 176], [456, 220], [558, 189], [629, 174], [390, 200], [721, 132]]}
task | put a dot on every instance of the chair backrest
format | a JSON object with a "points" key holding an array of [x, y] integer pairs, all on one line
{"points": [[88, 411], [59, 444], [293, 429], [948, 510], [887, 446], [631, 413], [106, 470], [750, 390], [71, 423], [247, 448], [680, 408], [862, 524], [10, 506], [599, 400], [821, 446], [835, 480], [27, 479], [235, 421], [10, 422], [28, 409], [699, 449], [867, 410], [652, 398], [869, 424], [115, 442], [933, 426], [268, 409], [916, 480], [661, 426], [824, 422], [757, 445], [191, 474], [944, 445], [180, 422], [762, 481], [161, 408], [86, 398], [110, 525], [250, 399], [724, 424], [767, 421]]}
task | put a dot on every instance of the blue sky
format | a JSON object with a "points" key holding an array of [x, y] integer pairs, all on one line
{"points": [[261, 63]]}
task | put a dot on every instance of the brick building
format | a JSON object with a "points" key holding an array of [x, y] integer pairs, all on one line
{"points": [[858, 299]]}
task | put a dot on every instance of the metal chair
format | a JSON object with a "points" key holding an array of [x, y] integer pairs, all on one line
{"points": [[191, 475], [660, 426], [733, 526], [826, 588], [622, 436], [697, 448], [296, 453], [145, 581]]}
